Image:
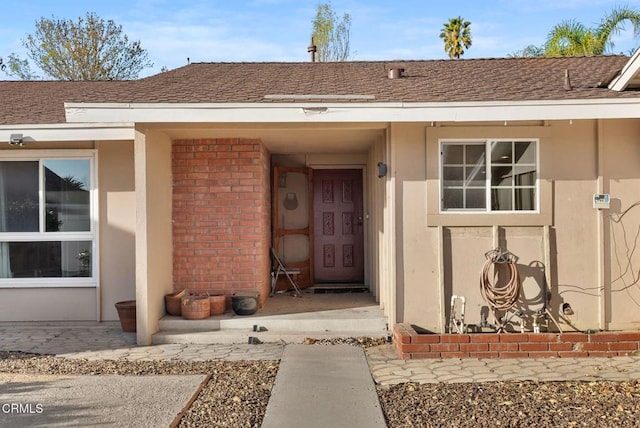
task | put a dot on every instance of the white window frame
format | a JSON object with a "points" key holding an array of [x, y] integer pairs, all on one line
{"points": [[41, 156], [488, 188]]}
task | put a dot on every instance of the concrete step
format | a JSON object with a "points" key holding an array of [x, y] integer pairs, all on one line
{"points": [[235, 336], [367, 321], [368, 318]]}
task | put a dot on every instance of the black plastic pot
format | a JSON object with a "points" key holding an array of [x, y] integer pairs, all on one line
{"points": [[244, 304]]}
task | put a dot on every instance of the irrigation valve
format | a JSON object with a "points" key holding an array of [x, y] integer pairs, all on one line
{"points": [[536, 326]]}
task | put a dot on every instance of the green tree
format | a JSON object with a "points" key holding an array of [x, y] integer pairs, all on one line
{"points": [[87, 49], [331, 35], [456, 35], [529, 51], [572, 38], [19, 68]]}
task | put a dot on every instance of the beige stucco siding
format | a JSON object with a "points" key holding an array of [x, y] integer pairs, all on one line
{"points": [[153, 243], [417, 279], [440, 255], [622, 167], [573, 167], [48, 304], [117, 224]]}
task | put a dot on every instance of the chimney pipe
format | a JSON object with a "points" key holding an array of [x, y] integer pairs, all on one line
{"points": [[395, 71], [567, 81], [312, 49]]}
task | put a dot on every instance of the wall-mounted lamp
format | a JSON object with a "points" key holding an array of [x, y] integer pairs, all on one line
{"points": [[16, 140], [382, 169]]}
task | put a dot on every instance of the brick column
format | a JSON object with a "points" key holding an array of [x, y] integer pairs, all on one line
{"points": [[221, 216]]}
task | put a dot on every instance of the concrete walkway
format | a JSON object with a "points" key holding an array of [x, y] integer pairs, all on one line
{"points": [[387, 369], [84, 401], [323, 386]]}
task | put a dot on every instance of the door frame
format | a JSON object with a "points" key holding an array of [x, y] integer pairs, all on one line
{"points": [[365, 206], [278, 233]]}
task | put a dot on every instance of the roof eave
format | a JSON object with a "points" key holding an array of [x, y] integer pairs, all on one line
{"points": [[481, 111], [630, 69], [115, 131]]}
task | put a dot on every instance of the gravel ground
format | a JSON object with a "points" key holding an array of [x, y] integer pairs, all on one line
{"points": [[512, 404], [238, 392]]}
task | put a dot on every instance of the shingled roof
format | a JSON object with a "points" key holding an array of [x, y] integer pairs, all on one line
{"points": [[507, 79]]}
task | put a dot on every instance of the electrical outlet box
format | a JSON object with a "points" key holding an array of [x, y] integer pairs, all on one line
{"points": [[601, 201]]}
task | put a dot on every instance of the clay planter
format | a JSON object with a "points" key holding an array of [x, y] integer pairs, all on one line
{"points": [[127, 314], [195, 307], [244, 305], [217, 304], [173, 303]]}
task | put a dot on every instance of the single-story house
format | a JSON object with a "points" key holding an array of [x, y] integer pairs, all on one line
{"points": [[399, 175]]}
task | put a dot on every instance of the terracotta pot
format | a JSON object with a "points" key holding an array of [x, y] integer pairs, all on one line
{"points": [[127, 314], [217, 304]]}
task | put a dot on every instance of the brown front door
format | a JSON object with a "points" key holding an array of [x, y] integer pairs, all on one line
{"points": [[338, 228]]}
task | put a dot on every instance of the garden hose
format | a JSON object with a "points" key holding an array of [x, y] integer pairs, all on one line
{"points": [[500, 298]]}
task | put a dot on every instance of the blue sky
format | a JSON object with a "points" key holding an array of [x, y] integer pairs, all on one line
{"points": [[279, 30]]}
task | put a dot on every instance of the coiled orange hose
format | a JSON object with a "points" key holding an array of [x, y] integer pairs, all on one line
{"points": [[503, 298]]}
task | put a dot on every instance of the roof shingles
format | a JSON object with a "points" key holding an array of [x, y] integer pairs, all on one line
{"points": [[507, 79]]}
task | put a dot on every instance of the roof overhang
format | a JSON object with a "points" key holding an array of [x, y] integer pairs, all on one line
{"points": [[629, 76], [610, 108], [70, 132]]}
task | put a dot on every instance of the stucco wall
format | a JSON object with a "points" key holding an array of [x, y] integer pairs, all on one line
{"points": [[48, 304], [153, 229], [442, 254], [622, 167], [117, 224]]}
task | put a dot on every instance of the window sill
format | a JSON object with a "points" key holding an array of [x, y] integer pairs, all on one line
{"points": [[47, 283], [470, 219]]}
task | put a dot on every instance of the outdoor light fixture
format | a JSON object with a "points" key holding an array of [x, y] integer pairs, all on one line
{"points": [[382, 169], [16, 140]]}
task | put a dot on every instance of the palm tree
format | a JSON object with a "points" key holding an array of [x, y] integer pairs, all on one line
{"points": [[528, 52], [571, 38], [457, 36]]}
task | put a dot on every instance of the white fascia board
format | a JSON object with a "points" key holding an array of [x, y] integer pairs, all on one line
{"points": [[622, 80], [69, 132], [354, 112]]}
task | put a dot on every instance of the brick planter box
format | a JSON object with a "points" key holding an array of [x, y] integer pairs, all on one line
{"points": [[410, 344]]}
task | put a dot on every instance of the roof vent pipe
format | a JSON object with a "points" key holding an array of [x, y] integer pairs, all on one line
{"points": [[312, 49], [395, 71], [567, 81]]}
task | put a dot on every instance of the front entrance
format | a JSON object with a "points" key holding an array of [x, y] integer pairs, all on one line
{"points": [[338, 226], [318, 224]]}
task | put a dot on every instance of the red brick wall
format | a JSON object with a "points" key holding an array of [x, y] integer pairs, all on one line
{"points": [[221, 216], [412, 345]]}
